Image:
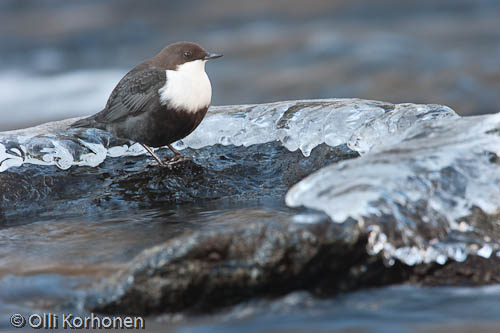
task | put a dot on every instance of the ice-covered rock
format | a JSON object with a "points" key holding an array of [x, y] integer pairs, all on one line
{"points": [[417, 192], [49, 144], [306, 124], [425, 183], [296, 124]]}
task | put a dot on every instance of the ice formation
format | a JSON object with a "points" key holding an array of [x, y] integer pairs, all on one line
{"points": [[296, 124], [416, 191], [87, 147]]}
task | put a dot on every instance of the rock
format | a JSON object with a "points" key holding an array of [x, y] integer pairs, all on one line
{"points": [[223, 173], [208, 270]]}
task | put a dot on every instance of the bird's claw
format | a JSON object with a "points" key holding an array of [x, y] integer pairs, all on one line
{"points": [[168, 164], [178, 159], [158, 164]]}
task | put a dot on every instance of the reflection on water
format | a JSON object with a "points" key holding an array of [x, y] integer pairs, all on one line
{"points": [[393, 309], [75, 247], [46, 264]]}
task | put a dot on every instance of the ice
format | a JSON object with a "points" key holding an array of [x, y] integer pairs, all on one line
{"points": [[415, 191], [485, 251], [74, 147], [392, 127], [306, 124], [296, 124]]}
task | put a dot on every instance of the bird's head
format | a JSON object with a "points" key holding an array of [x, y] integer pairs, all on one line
{"points": [[175, 55]]}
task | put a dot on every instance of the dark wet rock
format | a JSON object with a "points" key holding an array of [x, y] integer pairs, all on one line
{"points": [[228, 173], [474, 271], [205, 271]]}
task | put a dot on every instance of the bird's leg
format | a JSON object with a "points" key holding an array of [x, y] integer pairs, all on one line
{"points": [[177, 156], [175, 151], [160, 162]]}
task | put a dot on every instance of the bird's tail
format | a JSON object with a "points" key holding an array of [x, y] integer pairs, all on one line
{"points": [[86, 122], [89, 122]]}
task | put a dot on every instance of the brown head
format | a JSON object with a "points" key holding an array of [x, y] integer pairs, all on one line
{"points": [[179, 53]]}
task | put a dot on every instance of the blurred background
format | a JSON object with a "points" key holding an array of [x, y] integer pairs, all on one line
{"points": [[61, 58]]}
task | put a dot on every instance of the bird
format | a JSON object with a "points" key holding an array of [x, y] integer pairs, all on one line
{"points": [[159, 101]]}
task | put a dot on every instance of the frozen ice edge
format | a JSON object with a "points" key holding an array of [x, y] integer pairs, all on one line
{"points": [[433, 173], [302, 124]]}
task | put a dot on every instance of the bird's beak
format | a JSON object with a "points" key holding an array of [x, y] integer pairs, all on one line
{"points": [[212, 56]]}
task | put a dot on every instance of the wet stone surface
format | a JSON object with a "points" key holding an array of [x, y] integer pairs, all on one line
{"points": [[224, 173], [208, 271]]}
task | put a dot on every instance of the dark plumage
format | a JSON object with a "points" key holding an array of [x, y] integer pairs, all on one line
{"points": [[160, 101]]}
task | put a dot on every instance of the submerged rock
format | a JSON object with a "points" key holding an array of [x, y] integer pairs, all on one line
{"points": [[207, 270]]}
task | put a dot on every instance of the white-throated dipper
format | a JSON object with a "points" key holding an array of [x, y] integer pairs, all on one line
{"points": [[160, 101]]}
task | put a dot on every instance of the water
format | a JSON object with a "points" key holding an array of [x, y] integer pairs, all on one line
{"points": [[47, 264], [420, 52], [395, 309]]}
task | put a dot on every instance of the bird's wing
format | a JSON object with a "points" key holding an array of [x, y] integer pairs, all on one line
{"points": [[137, 92]]}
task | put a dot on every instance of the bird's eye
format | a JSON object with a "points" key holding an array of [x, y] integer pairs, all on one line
{"points": [[187, 54]]}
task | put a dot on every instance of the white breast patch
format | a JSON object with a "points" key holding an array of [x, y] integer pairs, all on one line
{"points": [[187, 87]]}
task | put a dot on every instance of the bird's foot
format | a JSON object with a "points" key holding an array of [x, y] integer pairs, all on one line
{"points": [[155, 163], [178, 158], [168, 164]]}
